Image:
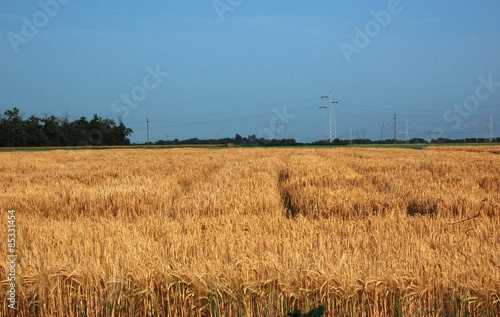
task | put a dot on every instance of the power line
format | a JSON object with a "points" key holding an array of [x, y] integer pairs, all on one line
{"points": [[242, 110], [233, 119], [408, 88], [389, 110]]}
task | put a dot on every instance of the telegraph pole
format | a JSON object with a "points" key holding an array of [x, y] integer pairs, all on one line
{"points": [[147, 123]]}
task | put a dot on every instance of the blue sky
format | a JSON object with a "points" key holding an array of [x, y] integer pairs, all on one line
{"points": [[238, 66]]}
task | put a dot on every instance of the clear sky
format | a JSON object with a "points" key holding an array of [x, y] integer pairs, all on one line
{"points": [[240, 66]]}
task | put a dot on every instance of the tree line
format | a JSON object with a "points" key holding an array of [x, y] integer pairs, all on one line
{"points": [[251, 140], [15, 131]]}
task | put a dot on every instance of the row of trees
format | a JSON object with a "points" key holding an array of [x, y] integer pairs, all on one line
{"points": [[15, 131], [237, 140], [253, 140]]}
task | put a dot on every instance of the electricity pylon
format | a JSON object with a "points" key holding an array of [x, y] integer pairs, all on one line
{"points": [[331, 120]]}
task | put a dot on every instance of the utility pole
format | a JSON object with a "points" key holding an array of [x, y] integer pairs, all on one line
{"points": [[331, 120], [395, 130], [465, 139], [147, 123], [491, 128], [351, 132]]}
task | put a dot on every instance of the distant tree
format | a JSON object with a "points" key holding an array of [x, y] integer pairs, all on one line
{"points": [[417, 141], [51, 131], [120, 134], [238, 139], [13, 132], [34, 132]]}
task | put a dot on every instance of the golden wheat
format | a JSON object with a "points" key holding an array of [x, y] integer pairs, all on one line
{"points": [[254, 232]]}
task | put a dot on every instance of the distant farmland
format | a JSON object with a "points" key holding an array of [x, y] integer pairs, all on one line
{"points": [[254, 232]]}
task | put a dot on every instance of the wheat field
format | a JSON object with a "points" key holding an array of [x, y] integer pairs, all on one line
{"points": [[253, 232]]}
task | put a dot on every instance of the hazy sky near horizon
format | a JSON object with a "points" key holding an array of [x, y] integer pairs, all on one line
{"points": [[216, 68]]}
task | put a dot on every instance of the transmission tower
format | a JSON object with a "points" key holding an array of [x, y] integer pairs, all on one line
{"points": [[331, 119], [431, 133], [477, 134], [383, 122], [214, 134], [277, 124], [406, 133], [169, 135]]}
